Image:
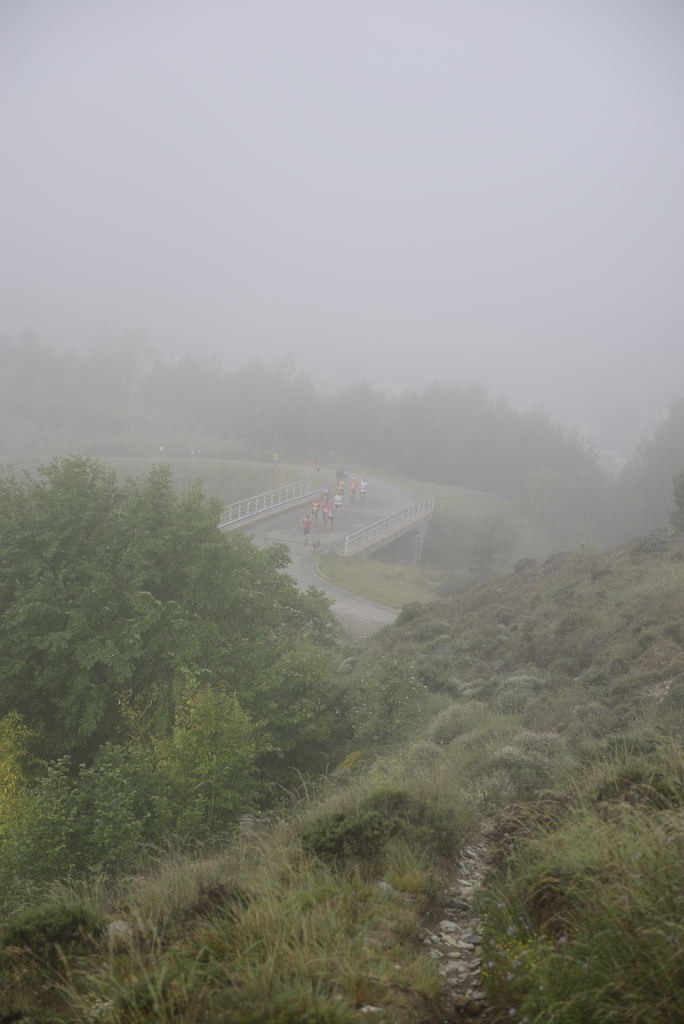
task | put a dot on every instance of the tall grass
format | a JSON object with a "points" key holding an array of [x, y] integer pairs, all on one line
{"points": [[587, 923], [384, 582], [268, 929]]}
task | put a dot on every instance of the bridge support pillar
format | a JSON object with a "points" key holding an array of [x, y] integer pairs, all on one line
{"points": [[406, 550], [419, 535], [414, 546]]}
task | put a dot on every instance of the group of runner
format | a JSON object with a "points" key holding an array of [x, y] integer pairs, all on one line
{"points": [[356, 485], [327, 505]]}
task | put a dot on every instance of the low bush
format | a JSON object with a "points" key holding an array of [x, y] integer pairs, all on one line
{"points": [[385, 702], [517, 692], [587, 923], [526, 765], [42, 929], [362, 834], [648, 777], [456, 720]]}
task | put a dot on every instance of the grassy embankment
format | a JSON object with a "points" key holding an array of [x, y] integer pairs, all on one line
{"points": [[228, 479], [557, 713], [471, 535]]}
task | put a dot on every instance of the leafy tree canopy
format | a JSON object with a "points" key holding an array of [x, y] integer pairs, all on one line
{"points": [[109, 594]]}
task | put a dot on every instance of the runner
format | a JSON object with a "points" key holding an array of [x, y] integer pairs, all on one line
{"points": [[363, 486], [353, 484], [307, 523], [337, 502]]}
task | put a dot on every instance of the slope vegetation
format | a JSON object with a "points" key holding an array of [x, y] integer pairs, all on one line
{"points": [[543, 710]]}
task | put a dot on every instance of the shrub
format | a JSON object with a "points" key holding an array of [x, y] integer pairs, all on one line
{"points": [[456, 720], [434, 668], [360, 836], [527, 763], [433, 828], [523, 774], [41, 844], [674, 698], [573, 622], [526, 567], [386, 702], [43, 930], [422, 754], [409, 612], [363, 834], [432, 629], [655, 780], [588, 924], [516, 693], [68, 825]]}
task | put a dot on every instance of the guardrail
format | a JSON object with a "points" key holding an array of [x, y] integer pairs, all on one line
{"points": [[235, 515], [384, 530]]}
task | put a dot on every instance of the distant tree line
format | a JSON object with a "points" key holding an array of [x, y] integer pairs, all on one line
{"points": [[122, 400], [443, 434]]}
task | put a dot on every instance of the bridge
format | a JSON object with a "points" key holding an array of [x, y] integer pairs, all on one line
{"points": [[250, 510], [383, 531], [410, 521]]}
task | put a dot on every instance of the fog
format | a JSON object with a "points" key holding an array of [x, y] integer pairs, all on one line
{"points": [[397, 192]]}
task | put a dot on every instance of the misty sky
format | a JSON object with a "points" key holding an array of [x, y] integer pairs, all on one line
{"points": [[467, 190]]}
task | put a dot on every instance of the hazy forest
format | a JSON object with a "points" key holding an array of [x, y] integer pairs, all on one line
{"points": [[217, 806], [118, 400]]}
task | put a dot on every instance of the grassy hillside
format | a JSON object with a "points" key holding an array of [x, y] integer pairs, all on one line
{"points": [[472, 536], [227, 478], [546, 707]]}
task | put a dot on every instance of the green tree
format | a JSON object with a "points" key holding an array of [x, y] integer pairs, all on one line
{"points": [[290, 693], [643, 493], [110, 590], [94, 818], [40, 845], [493, 542], [62, 601], [385, 702], [208, 761], [677, 514], [14, 741]]}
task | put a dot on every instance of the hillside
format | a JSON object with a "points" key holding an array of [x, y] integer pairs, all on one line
{"points": [[533, 722], [607, 624]]}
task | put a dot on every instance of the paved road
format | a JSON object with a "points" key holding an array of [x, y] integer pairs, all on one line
{"points": [[360, 616]]}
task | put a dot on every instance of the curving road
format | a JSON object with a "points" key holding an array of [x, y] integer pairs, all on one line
{"points": [[359, 615]]}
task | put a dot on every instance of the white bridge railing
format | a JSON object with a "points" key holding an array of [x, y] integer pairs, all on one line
{"points": [[384, 530], [235, 515]]}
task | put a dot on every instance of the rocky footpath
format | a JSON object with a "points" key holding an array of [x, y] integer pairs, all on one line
{"points": [[455, 940]]}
